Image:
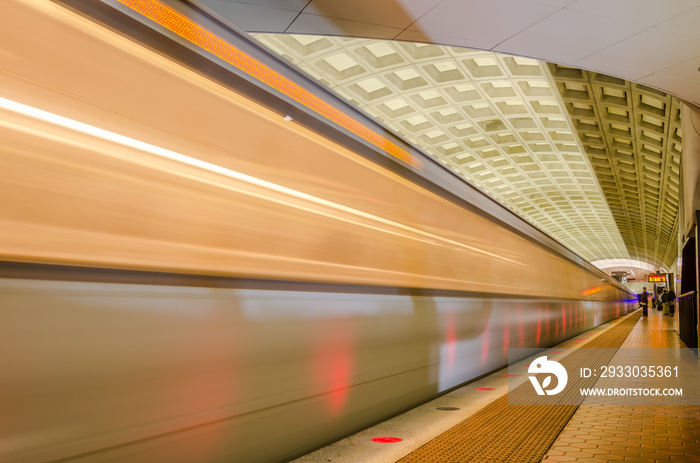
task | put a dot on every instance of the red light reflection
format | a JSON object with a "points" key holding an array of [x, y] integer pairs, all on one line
{"points": [[451, 340], [563, 318], [386, 440], [333, 362], [485, 346], [521, 327], [571, 318]]}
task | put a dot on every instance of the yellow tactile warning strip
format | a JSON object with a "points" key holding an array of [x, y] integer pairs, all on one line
{"points": [[648, 433], [516, 433]]}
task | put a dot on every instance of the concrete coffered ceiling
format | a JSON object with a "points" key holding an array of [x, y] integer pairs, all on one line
{"points": [[592, 160], [631, 135], [589, 159]]}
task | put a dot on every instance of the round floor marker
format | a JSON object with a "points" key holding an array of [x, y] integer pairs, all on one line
{"points": [[448, 409], [386, 440], [485, 388]]}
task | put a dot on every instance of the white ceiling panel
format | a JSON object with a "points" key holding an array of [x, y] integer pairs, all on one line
{"points": [[289, 5], [558, 3], [688, 22], [484, 24], [649, 12], [694, 96], [466, 18], [252, 17], [648, 52], [397, 13], [615, 70], [313, 24], [587, 33], [683, 77], [418, 36]]}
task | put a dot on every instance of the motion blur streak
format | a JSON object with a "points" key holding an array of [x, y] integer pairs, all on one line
{"points": [[184, 27], [130, 142], [486, 345], [521, 326], [333, 362], [451, 340], [187, 278]]}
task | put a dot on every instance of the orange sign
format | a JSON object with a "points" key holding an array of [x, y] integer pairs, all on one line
{"points": [[657, 278], [591, 291]]}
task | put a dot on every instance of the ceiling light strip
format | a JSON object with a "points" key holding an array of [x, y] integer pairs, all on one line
{"points": [[196, 34]]}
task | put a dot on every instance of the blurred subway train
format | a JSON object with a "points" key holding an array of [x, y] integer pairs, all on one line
{"points": [[207, 258]]}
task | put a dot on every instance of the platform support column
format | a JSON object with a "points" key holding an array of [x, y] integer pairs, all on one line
{"points": [[687, 309], [697, 279]]}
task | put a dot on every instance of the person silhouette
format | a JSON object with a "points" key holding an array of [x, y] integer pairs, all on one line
{"points": [[644, 302]]}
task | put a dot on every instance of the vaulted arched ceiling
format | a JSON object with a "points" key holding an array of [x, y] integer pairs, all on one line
{"points": [[589, 156], [589, 159]]}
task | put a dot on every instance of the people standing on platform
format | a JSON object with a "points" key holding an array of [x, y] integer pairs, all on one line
{"points": [[671, 302], [664, 302], [644, 302], [655, 300]]}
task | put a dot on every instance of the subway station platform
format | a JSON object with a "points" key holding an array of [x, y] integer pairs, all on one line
{"points": [[477, 422]]}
